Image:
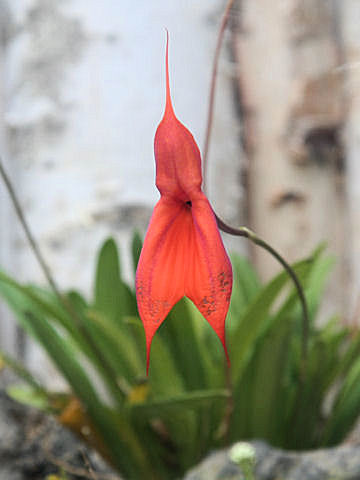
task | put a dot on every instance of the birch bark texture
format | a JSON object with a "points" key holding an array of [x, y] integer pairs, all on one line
{"points": [[83, 91], [300, 131]]}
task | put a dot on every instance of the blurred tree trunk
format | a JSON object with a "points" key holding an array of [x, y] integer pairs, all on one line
{"points": [[290, 81], [351, 36]]}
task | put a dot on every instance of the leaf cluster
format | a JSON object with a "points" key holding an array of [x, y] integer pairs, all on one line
{"points": [[157, 427]]}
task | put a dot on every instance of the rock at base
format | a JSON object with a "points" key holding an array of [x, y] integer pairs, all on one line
{"points": [[340, 463], [34, 445]]}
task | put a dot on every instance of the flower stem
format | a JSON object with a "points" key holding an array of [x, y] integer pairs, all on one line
{"points": [[210, 115], [109, 373], [246, 232], [33, 244]]}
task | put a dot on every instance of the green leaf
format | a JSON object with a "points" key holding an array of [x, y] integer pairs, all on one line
{"points": [[188, 400], [123, 445], [246, 285], [315, 283], [62, 354], [166, 380], [260, 371], [268, 367], [109, 294], [77, 301], [136, 246], [259, 394], [164, 376], [33, 298], [252, 321], [117, 345], [21, 372], [349, 357], [179, 332], [346, 409], [29, 396]]}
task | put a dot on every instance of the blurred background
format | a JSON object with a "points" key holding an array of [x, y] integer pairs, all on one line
{"points": [[81, 94]]}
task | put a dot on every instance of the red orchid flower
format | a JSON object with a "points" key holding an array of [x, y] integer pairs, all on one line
{"points": [[183, 254]]}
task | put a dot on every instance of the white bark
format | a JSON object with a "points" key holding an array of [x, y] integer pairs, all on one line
{"points": [[85, 94], [8, 331], [351, 68], [288, 54]]}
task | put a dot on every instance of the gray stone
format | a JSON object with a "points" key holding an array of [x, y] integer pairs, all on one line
{"points": [[340, 463], [33, 445]]}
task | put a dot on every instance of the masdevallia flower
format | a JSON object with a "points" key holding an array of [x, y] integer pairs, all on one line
{"points": [[183, 253]]}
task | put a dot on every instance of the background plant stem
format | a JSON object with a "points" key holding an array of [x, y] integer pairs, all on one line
{"points": [[210, 115], [246, 232], [108, 371]]}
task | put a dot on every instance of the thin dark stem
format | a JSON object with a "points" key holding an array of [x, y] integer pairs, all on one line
{"points": [[210, 115], [34, 246], [110, 374], [245, 232]]}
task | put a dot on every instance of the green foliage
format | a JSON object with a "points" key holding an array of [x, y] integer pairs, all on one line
{"points": [[157, 427]]}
